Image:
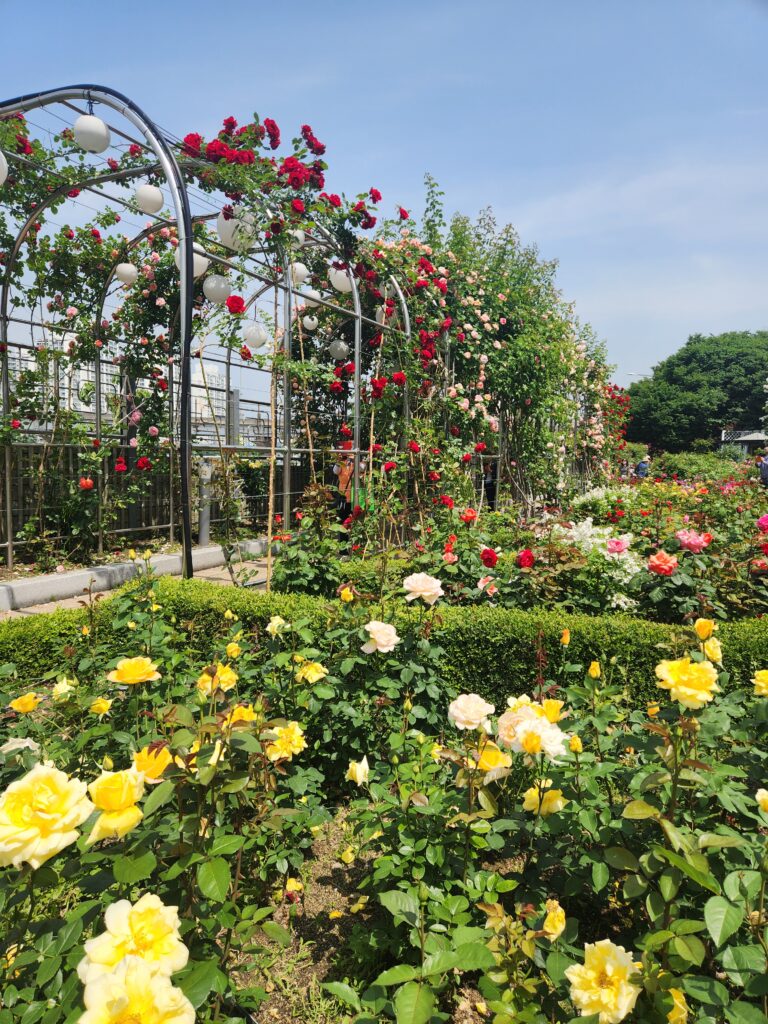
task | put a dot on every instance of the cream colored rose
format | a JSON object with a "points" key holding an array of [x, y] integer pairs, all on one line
{"points": [[358, 771], [383, 636], [135, 992], [601, 985], [39, 815], [146, 929], [421, 585], [470, 711]]}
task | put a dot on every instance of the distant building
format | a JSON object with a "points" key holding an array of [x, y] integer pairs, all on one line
{"points": [[748, 440]]}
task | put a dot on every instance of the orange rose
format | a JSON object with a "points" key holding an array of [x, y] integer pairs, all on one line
{"points": [[662, 564]]}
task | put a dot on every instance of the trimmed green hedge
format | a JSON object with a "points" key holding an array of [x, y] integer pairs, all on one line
{"points": [[491, 651]]}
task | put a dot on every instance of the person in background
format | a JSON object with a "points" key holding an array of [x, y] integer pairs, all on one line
{"points": [[344, 471], [764, 470], [641, 469], [490, 471], [623, 469]]}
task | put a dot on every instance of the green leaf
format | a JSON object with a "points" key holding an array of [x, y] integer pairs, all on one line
{"points": [[745, 1013], [557, 965], [397, 975], [200, 980], [741, 962], [741, 885], [636, 810], [722, 918], [129, 869], [47, 969], [400, 904], [213, 879], [473, 956], [68, 936], [223, 845], [158, 796], [344, 993], [323, 691], [703, 878], [276, 933], [600, 875], [414, 1004], [621, 859], [439, 963], [689, 948], [706, 990], [718, 842]]}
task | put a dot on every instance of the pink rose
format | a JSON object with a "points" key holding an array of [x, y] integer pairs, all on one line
{"points": [[690, 540], [450, 558], [762, 523], [153, 431], [617, 545]]}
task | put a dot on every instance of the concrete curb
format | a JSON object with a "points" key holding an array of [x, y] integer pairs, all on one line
{"points": [[57, 586]]}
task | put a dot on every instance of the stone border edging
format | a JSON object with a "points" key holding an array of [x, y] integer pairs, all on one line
{"points": [[18, 594]]}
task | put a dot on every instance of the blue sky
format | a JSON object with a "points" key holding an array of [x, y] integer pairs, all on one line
{"points": [[627, 140]]}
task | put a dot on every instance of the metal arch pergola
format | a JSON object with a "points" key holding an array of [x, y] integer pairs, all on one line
{"points": [[168, 165]]}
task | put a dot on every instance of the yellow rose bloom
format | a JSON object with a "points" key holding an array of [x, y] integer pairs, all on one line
{"points": [[435, 751], [116, 794], [39, 815], [131, 625], [240, 713], [86, 630], [347, 856], [653, 708], [532, 743], [552, 709], [132, 554], [704, 628], [762, 799], [26, 703], [146, 929], [601, 985], [565, 637], [276, 625], [229, 615], [713, 650], [62, 689], [132, 671], [234, 650], [693, 683], [575, 745], [347, 595], [358, 772], [294, 885], [289, 740], [311, 672], [543, 800], [554, 922], [492, 757], [760, 680], [594, 670], [152, 762], [223, 679], [135, 993], [100, 706], [680, 1009]]}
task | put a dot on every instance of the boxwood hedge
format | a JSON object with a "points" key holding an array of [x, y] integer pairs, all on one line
{"points": [[492, 651]]}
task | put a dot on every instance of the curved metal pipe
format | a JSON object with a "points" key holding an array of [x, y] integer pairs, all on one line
{"points": [[167, 161]]}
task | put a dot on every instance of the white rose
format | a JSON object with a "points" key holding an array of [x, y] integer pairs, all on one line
{"points": [[469, 711], [384, 638], [420, 584]]}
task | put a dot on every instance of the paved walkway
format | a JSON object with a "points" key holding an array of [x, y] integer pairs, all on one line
{"points": [[218, 574]]}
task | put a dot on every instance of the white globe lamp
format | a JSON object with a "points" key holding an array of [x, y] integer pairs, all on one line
{"points": [[127, 273], [200, 261], [91, 134], [340, 280], [310, 323], [339, 349], [299, 274], [311, 296], [217, 288], [149, 198], [255, 335], [3, 169]]}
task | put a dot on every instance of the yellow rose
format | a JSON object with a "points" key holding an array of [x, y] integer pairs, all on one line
{"points": [[293, 885], [760, 679], [155, 607], [39, 815], [565, 637], [693, 683], [132, 671], [543, 800], [132, 554], [532, 743], [229, 615], [347, 856], [240, 713], [100, 706], [492, 757], [704, 628], [116, 794], [276, 625], [601, 985], [135, 993], [713, 650], [347, 595], [594, 670], [289, 740], [435, 751], [26, 703], [131, 625], [653, 708], [223, 679], [311, 672], [234, 650], [146, 929], [358, 772], [86, 630], [554, 922], [552, 709], [762, 799], [679, 1012], [62, 689], [152, 762], [575, 745]]}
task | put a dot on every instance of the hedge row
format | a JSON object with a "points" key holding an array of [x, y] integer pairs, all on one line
{"points": [[494, 652]]}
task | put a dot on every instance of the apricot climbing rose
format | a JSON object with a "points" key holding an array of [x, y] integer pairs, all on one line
{"points": [[116, 795], [760, 680], [146, 929], [152, 762], [132, 671], [602, 983], [662, 564], [134, 991], [693, 683], [26, 703], [40, 814], [470, 711]]}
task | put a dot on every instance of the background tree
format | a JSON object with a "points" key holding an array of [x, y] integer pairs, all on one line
{"points": [[711, 382]]}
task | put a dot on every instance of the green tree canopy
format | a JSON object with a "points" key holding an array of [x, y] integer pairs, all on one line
{"points": [[710, 383]]}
